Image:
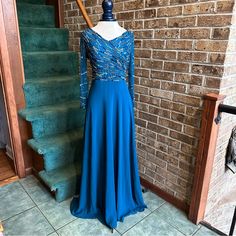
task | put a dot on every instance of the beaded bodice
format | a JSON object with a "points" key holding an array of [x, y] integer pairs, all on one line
{"points": [[111, 60]]}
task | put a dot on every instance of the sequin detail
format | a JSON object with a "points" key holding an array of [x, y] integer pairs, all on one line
{"points": [[111, 60]]}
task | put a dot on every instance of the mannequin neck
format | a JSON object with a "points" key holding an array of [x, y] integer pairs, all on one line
{"points": [[109, 29], [108, 24]]}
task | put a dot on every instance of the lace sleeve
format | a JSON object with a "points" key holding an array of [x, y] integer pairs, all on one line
{"points": [[131, 70], [83, 74]]}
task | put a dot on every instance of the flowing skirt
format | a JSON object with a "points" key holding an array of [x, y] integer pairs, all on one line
{"points": [[110, 185]]}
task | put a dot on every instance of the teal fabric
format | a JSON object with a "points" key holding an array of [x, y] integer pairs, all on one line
{"points": [[52, 92], [110, 186]]}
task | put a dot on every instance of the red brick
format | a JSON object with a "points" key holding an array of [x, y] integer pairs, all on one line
{"points": [[169, 11], [211, 46], [214, 21], [182, 22], [188, 78], [164, 55], [176, 66], [189, 100], [201, 8], [167, 33], [153, 24], [195, 33], [179, 44]]}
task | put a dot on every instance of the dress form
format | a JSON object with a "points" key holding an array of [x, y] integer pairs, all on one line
{"points": [[108, 27]]}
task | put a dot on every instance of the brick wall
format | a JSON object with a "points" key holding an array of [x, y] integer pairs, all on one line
{"points": [[180, 48]]}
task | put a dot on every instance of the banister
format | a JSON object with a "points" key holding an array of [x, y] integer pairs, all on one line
{"points": [[84, 13], [226, 109]]}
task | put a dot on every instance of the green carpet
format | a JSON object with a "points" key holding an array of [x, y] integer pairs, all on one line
{"points": [[52, 97]]}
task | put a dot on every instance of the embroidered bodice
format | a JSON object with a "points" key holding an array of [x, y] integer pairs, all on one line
{"points": [[110, 60]]}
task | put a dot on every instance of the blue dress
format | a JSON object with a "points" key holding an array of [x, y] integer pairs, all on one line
{"points": [[110, 185]]}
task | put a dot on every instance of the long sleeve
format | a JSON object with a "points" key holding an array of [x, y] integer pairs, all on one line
{"points": [[131, 71], [83, 75]]}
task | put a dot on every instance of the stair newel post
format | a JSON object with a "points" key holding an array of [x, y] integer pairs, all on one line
{"points": [[205, 156]]}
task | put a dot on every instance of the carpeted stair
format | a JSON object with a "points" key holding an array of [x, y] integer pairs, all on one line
{"points": [[52, 97]]}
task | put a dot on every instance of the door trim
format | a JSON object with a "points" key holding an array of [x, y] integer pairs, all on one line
{"points": [[11, 65]]}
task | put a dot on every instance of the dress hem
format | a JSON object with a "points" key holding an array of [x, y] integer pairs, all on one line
{"points": [[98, 215]]}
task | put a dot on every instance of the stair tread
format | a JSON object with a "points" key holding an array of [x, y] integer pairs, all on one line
{"points": [[34, 5], [48, 52], [52, 82], [38, 2], [25, 27], [33, 113], [36, 15], [52, 79], [46, 144], [50, 63], [35, 39], [55, 177]]}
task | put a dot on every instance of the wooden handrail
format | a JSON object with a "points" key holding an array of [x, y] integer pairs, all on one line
{"points": [[84, 13]]}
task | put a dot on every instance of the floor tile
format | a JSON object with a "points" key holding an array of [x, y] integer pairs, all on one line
{"points": [[30, 222], [177, 218], [53, 234], [36, 190], [203, 231], [58, 214], [86, 227], [131, 220], [14, 200], [152, 201], [152, 225]]}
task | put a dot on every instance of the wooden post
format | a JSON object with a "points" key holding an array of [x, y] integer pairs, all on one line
{"points": [[12, 80], [205, 157], [59, 11]]}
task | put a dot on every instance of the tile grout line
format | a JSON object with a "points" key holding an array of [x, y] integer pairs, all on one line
{"points": [[115, 229], [18, 213], [38, 207], [55, 230], [196, 231], [23, 210], [66, 224], [174, 226], [46, 219], [180, 230], [143, 218]]}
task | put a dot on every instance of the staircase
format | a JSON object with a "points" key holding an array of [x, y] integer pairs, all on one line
{"points": [[52, 97]]}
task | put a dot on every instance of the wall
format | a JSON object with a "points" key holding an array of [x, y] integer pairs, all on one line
{"points": [[4, 133], [220, 206], [180, 50]]}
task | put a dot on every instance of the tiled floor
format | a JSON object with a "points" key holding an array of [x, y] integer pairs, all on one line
{"points": [[26, 208]]}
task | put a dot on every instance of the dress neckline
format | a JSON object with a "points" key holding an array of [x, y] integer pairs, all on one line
{"points": [[94, 32]]}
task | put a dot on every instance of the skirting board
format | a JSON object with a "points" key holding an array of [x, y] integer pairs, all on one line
{"points": [[166, 196]]}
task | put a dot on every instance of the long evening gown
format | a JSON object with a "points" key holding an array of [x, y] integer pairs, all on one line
{"points": [[110, 185]]}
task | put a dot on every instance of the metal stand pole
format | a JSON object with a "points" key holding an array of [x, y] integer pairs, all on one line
{"points": [[233, 223]]}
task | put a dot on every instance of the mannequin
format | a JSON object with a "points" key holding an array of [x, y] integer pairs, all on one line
{"points": [[110, 187], [108, 27]]}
